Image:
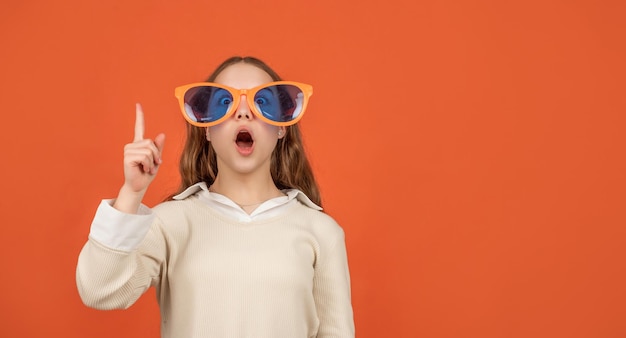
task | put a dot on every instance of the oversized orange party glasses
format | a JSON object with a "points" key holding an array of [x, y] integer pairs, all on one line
{"points": [[280, 103]]}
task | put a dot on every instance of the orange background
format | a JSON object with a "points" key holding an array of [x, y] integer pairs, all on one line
{"points": [[473, 151]]}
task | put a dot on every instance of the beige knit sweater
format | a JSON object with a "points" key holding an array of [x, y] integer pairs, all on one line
{"points": [[286, 276]]}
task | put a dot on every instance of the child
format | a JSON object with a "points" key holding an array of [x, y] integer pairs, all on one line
{"points": [[243, 249]]}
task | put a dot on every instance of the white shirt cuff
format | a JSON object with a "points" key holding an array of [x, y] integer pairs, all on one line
{"points": [[118, 230]]}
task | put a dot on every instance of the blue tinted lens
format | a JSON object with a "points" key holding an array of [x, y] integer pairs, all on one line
{"points": [[207, 104], [280, 103]]}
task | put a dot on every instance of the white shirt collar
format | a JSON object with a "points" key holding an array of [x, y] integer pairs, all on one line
{"points": [[224, 203]]}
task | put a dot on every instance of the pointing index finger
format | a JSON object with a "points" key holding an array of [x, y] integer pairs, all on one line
{"points": [[139, 123]]}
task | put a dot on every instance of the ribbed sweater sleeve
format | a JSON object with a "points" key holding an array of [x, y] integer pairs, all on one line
{"points": [[109, 278], [331, 290]]}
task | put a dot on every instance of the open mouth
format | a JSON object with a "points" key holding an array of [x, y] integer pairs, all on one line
{"points": [[244, 139]]}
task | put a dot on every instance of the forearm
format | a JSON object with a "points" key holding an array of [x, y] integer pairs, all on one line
{"points": [[128, 201]]}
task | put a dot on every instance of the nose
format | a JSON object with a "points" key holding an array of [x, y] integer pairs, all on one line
{"points": [[243, 110]]}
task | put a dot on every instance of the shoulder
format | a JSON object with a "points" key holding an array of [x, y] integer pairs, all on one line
{"points": [[330, 245], [318, 222]]}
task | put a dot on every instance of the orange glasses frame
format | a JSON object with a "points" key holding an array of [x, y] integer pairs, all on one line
{"points": [[179, 92]]}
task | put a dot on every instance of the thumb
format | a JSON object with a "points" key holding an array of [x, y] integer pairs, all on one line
{"points": [[159, 142]]}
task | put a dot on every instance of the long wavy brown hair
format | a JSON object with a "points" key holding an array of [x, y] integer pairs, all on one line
{"points": [[289, 165]]}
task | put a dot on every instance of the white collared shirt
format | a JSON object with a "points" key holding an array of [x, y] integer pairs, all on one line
{"points": [[228, 207]]}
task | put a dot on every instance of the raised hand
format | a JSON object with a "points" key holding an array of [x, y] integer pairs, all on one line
{"points": [[142, 159]]}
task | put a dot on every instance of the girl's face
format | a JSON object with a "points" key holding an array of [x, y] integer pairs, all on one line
{"points": [[243, 143]]}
